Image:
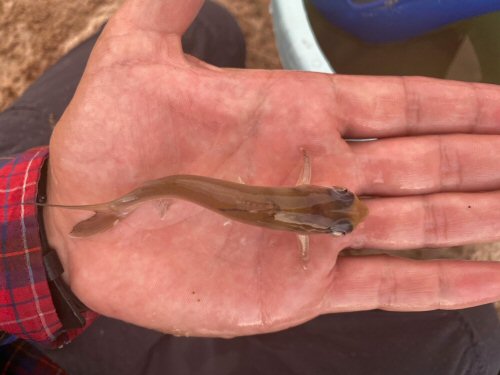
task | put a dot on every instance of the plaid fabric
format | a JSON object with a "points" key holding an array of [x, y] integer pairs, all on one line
{"points": [[21, 358], [26, 308]]}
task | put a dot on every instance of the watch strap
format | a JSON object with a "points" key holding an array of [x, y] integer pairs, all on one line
{"points": [[68, 307]]}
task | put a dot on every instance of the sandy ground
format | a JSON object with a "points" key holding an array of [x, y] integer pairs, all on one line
{"points": [[34, 34]]}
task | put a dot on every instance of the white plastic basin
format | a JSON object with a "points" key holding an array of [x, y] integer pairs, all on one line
{"points": [[297, 45]]}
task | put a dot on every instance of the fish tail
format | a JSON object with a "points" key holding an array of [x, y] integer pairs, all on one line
{"points": [[103, 219], [99, 222]]}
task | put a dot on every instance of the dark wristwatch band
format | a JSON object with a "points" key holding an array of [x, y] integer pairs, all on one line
{"points": [[68, 307]]}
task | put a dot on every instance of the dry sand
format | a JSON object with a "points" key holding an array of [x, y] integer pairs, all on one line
{"points": [[35, 34]]}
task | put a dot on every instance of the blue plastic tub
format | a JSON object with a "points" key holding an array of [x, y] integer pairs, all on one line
{"points": [[396, 20], [467, 51]]}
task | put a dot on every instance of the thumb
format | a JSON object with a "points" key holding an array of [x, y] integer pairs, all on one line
{"points": [[162, 16]]}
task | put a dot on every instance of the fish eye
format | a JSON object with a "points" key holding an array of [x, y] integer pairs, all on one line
{"points": [[341, 227], [344, 197]]}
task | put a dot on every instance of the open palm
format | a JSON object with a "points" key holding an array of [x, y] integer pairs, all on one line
{"points": [[144, 110]]}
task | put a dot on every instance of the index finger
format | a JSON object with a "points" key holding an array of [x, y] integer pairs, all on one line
{"points": [[380, 107]]}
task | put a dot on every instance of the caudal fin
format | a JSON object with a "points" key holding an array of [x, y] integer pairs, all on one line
{"points": [[101, 221]]}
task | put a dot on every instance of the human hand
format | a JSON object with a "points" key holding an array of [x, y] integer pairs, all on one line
{"points": [[144, 110]]}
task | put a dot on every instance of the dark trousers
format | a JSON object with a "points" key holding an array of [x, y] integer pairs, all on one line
{"points": [[373, 342]]}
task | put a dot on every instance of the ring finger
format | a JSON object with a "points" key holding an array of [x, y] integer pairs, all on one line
{"points": [[436, 220]]}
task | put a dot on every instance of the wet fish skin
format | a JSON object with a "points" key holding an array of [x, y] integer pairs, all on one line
{"points": [[303, 209]]}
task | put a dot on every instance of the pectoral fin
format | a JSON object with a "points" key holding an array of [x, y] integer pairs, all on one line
{"points": [[303, 242], [163, 206], [100, 222], [305, 173]]}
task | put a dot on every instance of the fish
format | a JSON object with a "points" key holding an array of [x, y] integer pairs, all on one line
{"points": [[303, 209]]}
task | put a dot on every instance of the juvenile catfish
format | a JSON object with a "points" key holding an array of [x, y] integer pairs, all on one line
{"points": [[304, 209]]}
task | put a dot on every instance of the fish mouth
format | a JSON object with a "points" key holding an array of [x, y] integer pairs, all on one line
{"points": [[361, 211]]}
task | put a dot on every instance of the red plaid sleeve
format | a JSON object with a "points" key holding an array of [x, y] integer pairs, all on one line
{"points": [[26, 308]]}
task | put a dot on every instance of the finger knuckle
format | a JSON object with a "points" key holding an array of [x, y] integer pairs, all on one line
{"points": [[450, 165], [435, 225]]}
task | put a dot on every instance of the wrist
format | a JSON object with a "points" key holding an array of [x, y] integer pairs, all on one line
{"points": [[50, 228], [68, 306]]}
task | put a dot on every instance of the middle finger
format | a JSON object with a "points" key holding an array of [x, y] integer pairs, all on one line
{"points": [[435, 220], [427, 164]]}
